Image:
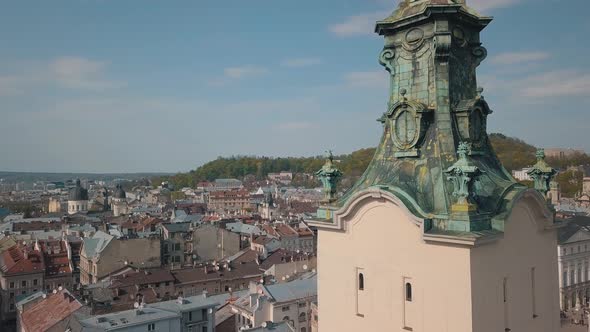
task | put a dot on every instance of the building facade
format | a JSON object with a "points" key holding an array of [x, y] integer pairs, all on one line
{"points": [[78, 199], [236, 200], [425, 240], [103, 254], [289, 302], [574, 263], [119, 202], [21, 273]]}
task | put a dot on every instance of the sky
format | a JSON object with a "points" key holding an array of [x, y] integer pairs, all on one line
{"points": [[165, 86]]}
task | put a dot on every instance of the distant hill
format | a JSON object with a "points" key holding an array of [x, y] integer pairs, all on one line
{"points": [[512, 152], [29, 177]]}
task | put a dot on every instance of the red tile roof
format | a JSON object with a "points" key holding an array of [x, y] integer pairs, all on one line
{"points": [[56, 258], [282, 256], [285, 231], [196, 275], [49, 311], [17, 260], [270, 230], [142, 278]]}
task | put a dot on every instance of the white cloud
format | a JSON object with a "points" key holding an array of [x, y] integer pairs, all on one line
{"points": [[358, 25], [64, 72], [367, 79], [301, 62], [561, 83], [364, 23], [237, 73], [244, 71], [540, 87], [296, 126], [512, 58], [80, 73], [491, 4], [10, 85]]}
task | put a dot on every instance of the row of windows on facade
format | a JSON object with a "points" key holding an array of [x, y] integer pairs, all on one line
{"points": [[408, 294], [575, 276], [76, 207], [571, 249], [243, 320], [23, 283], [408, 287]]}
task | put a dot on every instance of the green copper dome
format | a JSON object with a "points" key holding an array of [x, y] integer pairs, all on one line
{"points": [[435, 155]]}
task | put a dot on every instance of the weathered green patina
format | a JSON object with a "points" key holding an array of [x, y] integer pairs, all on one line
{"points": [[329, 175], [435, 155], [542, 173]]}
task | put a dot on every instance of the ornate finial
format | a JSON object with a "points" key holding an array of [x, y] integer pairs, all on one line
{"points": [[463, 150], [463, 174], [403, 92], [330, 156], [540, 154], [479, 93], [541, 173], [329, 175]]}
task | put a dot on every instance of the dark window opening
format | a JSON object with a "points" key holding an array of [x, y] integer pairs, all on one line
{"points": [[408, 292], [361, 281]]}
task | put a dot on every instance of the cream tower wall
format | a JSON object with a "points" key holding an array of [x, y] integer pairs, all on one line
{"points": [[385, 241], [524, 246], [455, 287]]}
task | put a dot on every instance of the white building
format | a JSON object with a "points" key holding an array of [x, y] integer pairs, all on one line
{"points": [[119, 202], [289, 302], [522, 174], [191, 314], [574, 263], [78, 199]]}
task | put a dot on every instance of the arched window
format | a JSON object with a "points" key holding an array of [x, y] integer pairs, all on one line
{"points": [[408, 292], [302, 317], [361, 281]]}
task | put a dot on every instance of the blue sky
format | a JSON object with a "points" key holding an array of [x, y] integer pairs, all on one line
{"points": [[130, 86]]}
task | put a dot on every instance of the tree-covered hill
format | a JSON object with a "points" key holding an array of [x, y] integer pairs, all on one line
{"points": [[512, 152]]}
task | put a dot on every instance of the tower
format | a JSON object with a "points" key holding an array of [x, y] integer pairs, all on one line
{"points": [[119, 201], [554, 193], [426, 239], [78, 199]]}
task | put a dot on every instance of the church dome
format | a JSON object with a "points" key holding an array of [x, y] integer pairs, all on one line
{"points": [[78, 193], [119, 192]]}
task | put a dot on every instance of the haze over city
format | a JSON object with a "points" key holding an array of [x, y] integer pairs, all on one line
{"points": [[437, 179], [105, 86]]}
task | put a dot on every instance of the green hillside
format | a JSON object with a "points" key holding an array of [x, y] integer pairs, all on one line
{"points": [[512, 152]]}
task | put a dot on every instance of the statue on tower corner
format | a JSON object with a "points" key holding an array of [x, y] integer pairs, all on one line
{"points": [[542, 173], [329, 175]]}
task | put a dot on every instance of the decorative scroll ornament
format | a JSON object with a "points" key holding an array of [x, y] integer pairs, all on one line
{"points": [[542, 173], [329, 176], [386, 60], [480, 53], [408, 121], [462, 174]]}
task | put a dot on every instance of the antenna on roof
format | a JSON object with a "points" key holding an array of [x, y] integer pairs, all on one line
{"points": [[136, 305]]}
